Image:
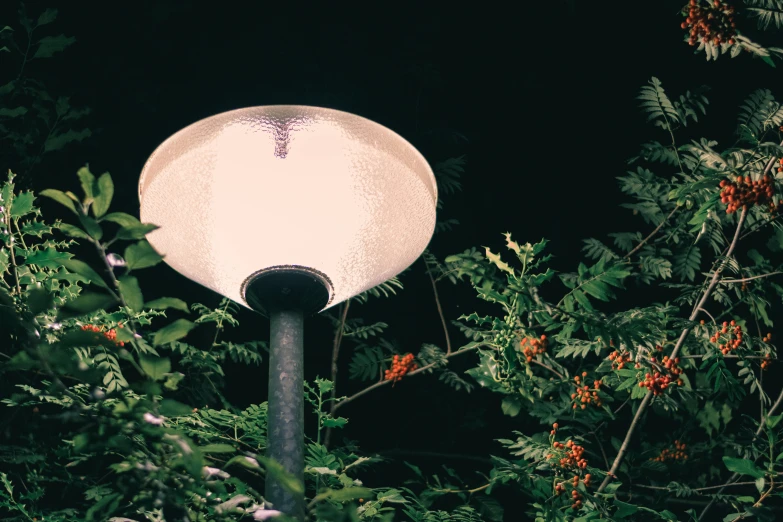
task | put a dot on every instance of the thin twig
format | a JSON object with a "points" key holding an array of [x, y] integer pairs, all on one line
{"points": [[384, 383], [648, 396], [440, 310], [338, 339], [749, 278], [651, 234], [549, 368]]}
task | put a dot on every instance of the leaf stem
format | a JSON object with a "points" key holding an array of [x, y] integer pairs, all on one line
{"points": [[651, 234]]}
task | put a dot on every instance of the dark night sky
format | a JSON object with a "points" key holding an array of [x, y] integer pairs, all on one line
{"points": [[544, 96]]}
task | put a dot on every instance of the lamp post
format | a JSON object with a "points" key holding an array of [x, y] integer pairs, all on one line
{"points": [[288, 210]]}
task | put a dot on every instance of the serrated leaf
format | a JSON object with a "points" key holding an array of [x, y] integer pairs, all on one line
{"points": [[22, 204], [49, 258], [338, 422], [49, 45], [83, 269], [743, 467], [511, 406]]}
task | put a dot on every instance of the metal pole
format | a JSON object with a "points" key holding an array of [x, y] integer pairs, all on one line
{"points": [[285, 436]]}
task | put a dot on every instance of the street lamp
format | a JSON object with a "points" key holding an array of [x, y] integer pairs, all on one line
{"points": [[288, 210]]}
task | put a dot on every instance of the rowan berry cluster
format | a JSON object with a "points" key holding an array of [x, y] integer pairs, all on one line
{"points": [[728, 338], [766, 362], [745, 192], [110, 335], [584, 394], [678, 453], [531, 346], [658, 382], [713, 23], [400, 366], [619, 360], [573, 456], [575, 495]]}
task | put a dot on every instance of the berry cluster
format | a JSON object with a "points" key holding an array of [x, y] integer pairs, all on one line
{"points": [[110, 335], [657, 382], [531, 347], [733, 337], [713, 23], [766, 362], [575, 495], [573, 456], [619, 360], [584, 394], [400, 367], [678, 453], [745, 192]]}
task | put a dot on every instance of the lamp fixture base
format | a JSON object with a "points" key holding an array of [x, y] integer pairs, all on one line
{"points": [[288, 287]]}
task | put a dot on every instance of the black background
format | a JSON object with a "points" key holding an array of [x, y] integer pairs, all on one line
{"points": [[538, 96]]}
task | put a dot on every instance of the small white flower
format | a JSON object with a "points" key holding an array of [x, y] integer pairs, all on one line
{"points": [[115, 260], [152, 419], [263, 514], [215, 472], [56, 326]]}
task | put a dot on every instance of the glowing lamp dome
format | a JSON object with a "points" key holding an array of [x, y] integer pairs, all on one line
{"points": [[287, 187]]}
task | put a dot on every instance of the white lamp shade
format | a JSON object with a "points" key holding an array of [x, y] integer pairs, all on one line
{"points": [[318, 189]]}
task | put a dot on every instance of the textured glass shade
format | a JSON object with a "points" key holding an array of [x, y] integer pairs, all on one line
{"points": [[264, 188]]}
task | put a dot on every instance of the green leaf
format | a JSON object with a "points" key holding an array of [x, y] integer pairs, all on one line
{"points": [[131, 293], [511, 406], [59, 140], [49, 258], [91, 226], [3, 260], [47, 17], [624, 509], [168, 302], [136, 231], [104, 195], [49, 45], [141, 255], [172, 408], [495, 258], [156, 368], [122, 219], [172, 332], [87, 303], [83, 269], [60, 197], [13, 113], [88, 183], [743, 467], [72, 231], [276, 472], [339, 422], [39, 300], [217, 448], [22, 204]]}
